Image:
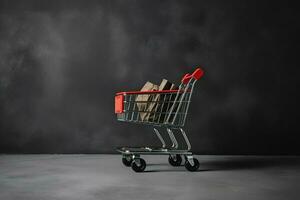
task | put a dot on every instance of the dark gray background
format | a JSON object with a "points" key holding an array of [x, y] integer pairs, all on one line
{"points": [[62, 61]]}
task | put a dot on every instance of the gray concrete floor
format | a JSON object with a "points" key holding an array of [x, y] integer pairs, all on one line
{"points": [[87, 177]]}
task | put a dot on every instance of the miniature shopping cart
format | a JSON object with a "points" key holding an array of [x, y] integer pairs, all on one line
{"points": [[169, 111]]}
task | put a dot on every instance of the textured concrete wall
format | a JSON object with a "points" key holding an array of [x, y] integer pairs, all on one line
{"points": [[62, 61]]}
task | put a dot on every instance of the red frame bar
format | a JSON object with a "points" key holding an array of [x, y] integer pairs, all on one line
{"points": [[148, 92], [119, 105]]}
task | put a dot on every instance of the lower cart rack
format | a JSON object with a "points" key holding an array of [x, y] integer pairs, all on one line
{"points": [[148, 150], [170, 113]]}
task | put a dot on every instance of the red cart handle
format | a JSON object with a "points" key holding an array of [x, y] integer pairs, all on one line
{"points": [[197, 74]]}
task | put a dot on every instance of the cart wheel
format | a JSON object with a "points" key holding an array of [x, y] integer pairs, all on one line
{"points": [[127, 160], [138, 165], [175, 160], [190, 167]]}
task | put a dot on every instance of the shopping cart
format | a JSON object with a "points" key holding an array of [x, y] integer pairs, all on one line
{"points": [[169, 111]]}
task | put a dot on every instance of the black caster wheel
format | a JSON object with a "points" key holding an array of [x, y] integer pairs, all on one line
{"points": [[127, 160], [190, 167], [175, 160], [138, 165]]}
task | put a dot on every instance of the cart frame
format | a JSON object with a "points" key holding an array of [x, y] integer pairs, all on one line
{"points": [[169, 111]]}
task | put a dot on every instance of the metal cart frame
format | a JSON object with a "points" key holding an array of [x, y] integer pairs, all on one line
{"points": [[165, 109]]}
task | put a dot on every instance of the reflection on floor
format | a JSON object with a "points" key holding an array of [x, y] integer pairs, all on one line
{"points": [[87, 177]]}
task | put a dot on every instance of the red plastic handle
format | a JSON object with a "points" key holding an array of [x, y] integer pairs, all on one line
{"points": [[197, 74]]}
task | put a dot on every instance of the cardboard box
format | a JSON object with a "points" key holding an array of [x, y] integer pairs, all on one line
{"points": [[156, 109], [143, 99]]}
